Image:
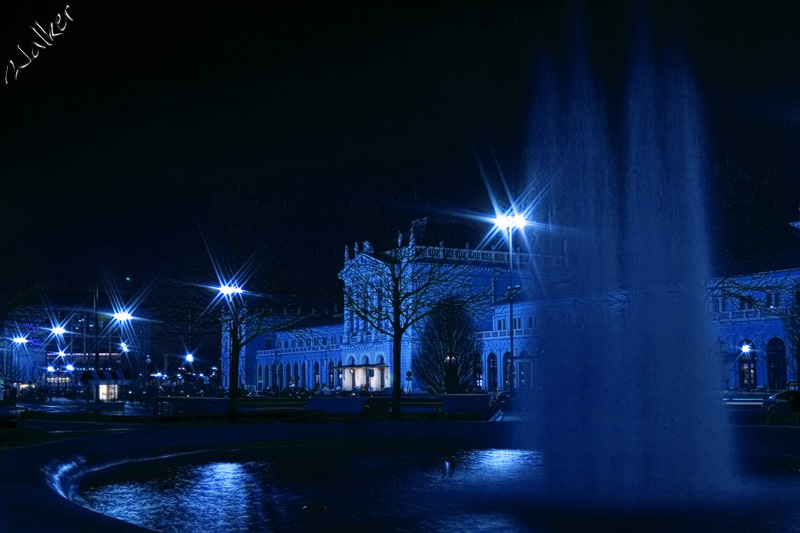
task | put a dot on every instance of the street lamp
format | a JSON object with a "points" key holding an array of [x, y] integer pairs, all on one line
{"points": [[449, 373], [228, 291], [18, 341], [509, 223]]}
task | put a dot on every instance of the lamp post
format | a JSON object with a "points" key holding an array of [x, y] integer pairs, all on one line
{"points": [[229, 291], [189, 359], [449, 373], [508, 223], [18, 342]]}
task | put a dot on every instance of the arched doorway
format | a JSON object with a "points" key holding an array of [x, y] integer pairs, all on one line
{"points": [[381, 383], [303, 375], [748, 374], [492, 363], [776, 364], [316, 374], [478, 372], [260, 376], [366, 374], [350, 374], [330, 380]]}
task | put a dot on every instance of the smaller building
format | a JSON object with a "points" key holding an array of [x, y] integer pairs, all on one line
{"points": [[71, 342]]}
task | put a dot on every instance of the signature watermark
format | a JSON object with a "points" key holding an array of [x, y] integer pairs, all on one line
{"points": [[45, 40]]}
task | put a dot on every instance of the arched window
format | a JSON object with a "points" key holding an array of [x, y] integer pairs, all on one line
{"points": [[748, 377], [478, 372], [776, 364], [492, 360], [260, 376], [316, 373]]}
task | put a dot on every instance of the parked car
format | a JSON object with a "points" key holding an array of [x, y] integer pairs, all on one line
{"points": [[503, 402], [777, 403]]}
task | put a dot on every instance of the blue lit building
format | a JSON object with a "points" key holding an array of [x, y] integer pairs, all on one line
{"points": [[756, 313], [341, 351], [751, 311]]}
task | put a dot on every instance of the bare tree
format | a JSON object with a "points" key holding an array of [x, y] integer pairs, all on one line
{"points": [[449, 349], [393, 291], [236, 278], [764, 294]]}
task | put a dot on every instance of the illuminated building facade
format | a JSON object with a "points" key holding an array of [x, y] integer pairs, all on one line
{"points": [[71, 342], [343, 351]]}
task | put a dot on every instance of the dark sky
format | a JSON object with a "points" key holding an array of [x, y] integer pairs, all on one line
{"points": [[334, 113]]}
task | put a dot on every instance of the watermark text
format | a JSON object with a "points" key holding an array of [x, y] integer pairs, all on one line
{"points": [[45, 40]]}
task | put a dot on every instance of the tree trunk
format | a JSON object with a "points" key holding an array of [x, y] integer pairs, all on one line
{"points": [[397, 383], [233, 384]]}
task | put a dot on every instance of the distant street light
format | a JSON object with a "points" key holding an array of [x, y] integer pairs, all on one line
{"points": [[508, 223], [229, 290], [122, 316], [18, 341]]}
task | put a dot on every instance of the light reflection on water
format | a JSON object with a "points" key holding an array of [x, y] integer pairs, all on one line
{"points": [[318, 488]]}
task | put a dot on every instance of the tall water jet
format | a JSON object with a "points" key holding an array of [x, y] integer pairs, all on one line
{"points": [[625, 409]]}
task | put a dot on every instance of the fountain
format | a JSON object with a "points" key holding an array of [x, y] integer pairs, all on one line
{"points": [[625, 412]]}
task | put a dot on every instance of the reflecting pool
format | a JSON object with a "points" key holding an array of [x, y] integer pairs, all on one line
{"points": [[329, 488], [325, 489]]}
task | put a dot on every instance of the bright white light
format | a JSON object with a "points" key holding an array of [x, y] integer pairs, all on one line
{"points": [[502, 222], [61, 353], [746, 348], [51, 369], [58, 330], [228, 290], [505, 222], [122, 316], [70, 368], [124, 346], [189, 358], [20, 340]]}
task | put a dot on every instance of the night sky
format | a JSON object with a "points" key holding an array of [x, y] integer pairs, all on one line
{"points": [[344, 118]]}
